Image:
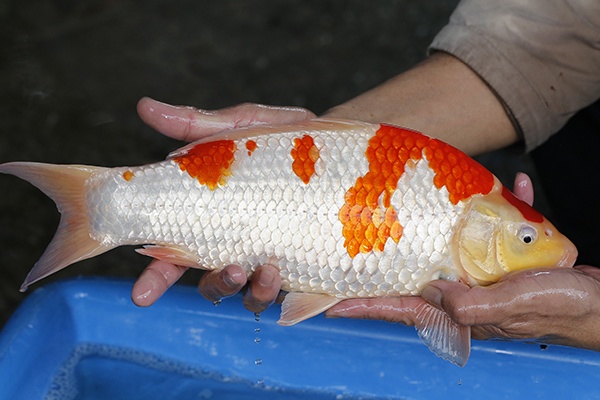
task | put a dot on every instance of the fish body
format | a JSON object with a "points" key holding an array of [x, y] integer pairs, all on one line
{"points": [[343, 209]]}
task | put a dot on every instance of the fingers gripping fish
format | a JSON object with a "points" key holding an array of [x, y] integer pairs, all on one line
{"points": [[344, 209]]}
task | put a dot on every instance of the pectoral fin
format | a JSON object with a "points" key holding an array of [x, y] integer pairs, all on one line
{"points": [[443, 336], [173, 255], [300, 306]]}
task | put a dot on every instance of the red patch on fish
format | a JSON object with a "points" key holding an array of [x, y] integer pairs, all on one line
{"points": [[209, 163], [250, 146], [305, 154], [459, 173], [528, 212], [128, 175], [367, 224]]}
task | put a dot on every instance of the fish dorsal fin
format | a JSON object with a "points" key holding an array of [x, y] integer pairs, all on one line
{"points": [[443, 336], [297, 307], [317, 124], [173, 255]]}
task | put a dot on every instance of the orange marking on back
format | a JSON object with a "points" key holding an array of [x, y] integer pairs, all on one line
{"points": [[209, 162], [367, 224], [528, 212], [459, 173], [387, 152], [305, 154], [250, 146], [128, 175]]}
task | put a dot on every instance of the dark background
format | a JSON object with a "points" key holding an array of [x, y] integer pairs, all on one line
{"points": [[71, 72]]}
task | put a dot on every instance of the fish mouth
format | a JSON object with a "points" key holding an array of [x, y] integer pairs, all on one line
{"points": [[569, 257]]}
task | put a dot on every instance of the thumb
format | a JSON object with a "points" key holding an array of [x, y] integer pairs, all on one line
{"points": [[523, 188], [450, 297]]}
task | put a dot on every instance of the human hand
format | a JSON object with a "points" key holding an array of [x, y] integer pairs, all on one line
{"points": [[189, 124], [560, 306]]}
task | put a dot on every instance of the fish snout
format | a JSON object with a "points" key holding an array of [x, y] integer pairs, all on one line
{"points": [[569, 256]]}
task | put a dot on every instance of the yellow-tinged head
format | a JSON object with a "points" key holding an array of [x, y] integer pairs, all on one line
{"points": [[500, 234]]}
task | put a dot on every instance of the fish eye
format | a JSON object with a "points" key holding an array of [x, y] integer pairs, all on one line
{"points": [[527, 234]]}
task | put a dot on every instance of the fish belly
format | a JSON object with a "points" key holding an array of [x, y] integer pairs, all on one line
{"points": [[331, 220]]}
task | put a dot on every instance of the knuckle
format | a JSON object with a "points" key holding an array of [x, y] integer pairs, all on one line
{"points": [[463, 315]]}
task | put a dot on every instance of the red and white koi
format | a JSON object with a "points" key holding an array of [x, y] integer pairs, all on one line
{"points": [[344, 209]]}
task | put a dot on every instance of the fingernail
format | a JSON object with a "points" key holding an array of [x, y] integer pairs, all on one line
{"points": [[432, 295], [145, 290], [229, 280], [521, 180], [266, 278], [144, 295]]}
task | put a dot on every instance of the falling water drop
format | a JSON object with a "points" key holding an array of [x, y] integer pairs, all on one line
{"points": [[258, 361], [216, 302]]}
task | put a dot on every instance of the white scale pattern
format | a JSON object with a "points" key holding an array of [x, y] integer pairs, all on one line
{"points": [[266, 214]]}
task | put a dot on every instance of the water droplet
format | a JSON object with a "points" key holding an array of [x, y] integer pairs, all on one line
{"points": [[216, 302], [258, 361], [256, 330], [256, 340], [257, 317]]}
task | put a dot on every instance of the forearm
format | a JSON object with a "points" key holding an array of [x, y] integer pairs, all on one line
{"points": [[441, 97]]}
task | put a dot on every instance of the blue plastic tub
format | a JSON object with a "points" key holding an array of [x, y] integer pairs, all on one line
{"points": [[84, 339]]}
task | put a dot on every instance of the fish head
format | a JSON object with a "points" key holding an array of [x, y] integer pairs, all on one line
{"points": [[500, 234]]}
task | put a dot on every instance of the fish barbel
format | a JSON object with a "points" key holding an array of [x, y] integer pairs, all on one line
{"points": [[344, 209]]}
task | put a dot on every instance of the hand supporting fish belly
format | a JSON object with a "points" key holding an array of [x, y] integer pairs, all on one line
{"points": [[343, 209]]}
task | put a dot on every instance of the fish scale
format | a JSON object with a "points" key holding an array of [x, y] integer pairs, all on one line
{"points": [[343, 209]]}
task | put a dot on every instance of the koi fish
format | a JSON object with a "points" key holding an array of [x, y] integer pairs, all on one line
{"points": [[344, 209]]}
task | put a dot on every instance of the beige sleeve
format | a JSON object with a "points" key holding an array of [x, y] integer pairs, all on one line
{"points": [[542, 58]]}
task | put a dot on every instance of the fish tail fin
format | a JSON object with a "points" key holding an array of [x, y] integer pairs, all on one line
{"points": [[443, 336], [65, 185]]}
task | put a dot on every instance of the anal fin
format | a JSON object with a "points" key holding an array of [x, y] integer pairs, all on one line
{"points": [[173, 255], [443, 336], [297, 307]]}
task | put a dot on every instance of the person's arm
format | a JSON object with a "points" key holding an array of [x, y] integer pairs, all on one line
{"points": [[440, 97], [541, 58]]}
